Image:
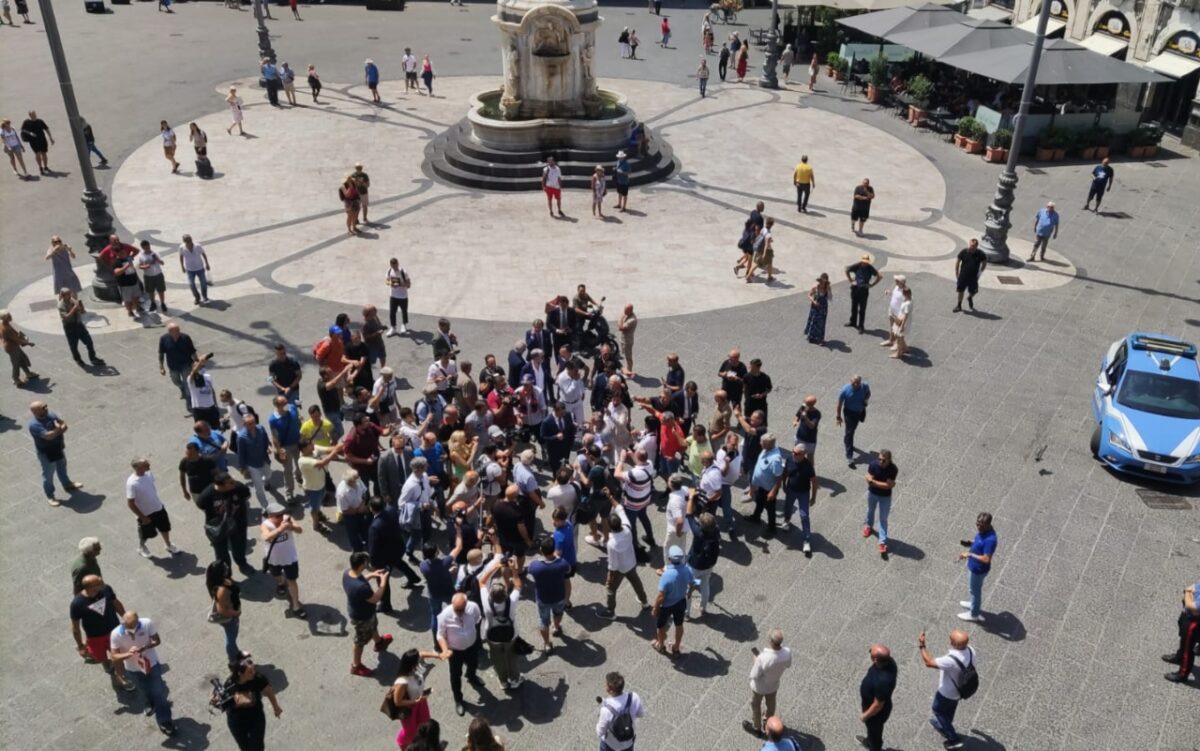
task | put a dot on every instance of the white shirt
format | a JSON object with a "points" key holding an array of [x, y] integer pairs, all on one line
{"points": [[203, 395], [414, 685], [459, 631], [563, 496], [620, 546], [710, 481], [121, 640], [610, 709], [677, 509], [896, 299], [155, 263], [385, 389], [906, 314], [168, 137], [410, 63], [570, 390], [733, 469], [351, 497], [193, 260], [553, 175], [142, 492], [235, 416], [283, 549], [449, 371], [648, 442], [951, 672], [399, 292], [768, 670]]}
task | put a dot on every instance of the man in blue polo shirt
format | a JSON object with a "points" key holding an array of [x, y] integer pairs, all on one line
{"points": [[550, 587], [766, 480], [852, 404], [372, 73], [1102, 182], [270, 74], [671, 602], [176, 353], [979, 563], [285, 438], [254, 456], [1045, 226]]}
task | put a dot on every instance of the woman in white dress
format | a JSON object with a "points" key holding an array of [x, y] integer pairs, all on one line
{"points": [[168, 139], [235, 108], [902, 328]]}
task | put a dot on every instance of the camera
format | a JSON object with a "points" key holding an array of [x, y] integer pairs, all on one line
{"points": [[222, 697]]}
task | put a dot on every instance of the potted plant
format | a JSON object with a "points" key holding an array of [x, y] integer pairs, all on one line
{"points": [[842, 70], [1092, 140], [1144, 140], [1064, 142], [877, 77], [1045, 143], [966, 128], [920, 89], [997, 151], [976, 137], [1102, 140], [833, 62]]}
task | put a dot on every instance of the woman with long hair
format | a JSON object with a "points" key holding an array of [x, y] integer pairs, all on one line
{"points": [[226, 598], [168, 138], [814, 67], [314, 82], [460, 450], [481, 738], [199, 140], [349, 195], [818, 310], [235, 109], [427, 74], [743, 62], [244, 715], [411, 696]]}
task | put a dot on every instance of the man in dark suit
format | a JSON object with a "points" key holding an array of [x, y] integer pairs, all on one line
{"points": [[686, 404], [516, 361], [538, 368], [393, 469], [444, 342], [561, 322], [385, 545], [558, 435], [539, 337]]}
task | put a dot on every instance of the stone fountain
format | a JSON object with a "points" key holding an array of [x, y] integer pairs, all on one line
{"points": [[549, 104]]}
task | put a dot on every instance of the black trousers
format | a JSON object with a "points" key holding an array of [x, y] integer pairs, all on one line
{"points": [[385, 602], [874, 728], [762, 502], [858, 306], [357, 526], [557, 453], [851, 420], [235, 543], [722, 69], [273, 90], [402, 304], [1189, 637], [468, 658], [77, 333], [249, 729], [802, 191]]}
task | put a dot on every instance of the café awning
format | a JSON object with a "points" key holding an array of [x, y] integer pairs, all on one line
{"points": [[1052, 25], [899, 19], [1062, 63], [966, 35], [873, 5], [1175, 66], [1105, 44]]}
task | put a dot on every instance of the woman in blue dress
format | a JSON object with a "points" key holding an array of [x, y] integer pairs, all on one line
{"points": [[818, 310]]}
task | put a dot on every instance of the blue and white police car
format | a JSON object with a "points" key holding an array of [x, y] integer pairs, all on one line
{"points": [[1147, 408]]}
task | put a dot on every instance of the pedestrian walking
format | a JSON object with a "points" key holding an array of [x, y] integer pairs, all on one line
{"points": [[153, 281], [800, 493], [282, 559], [284, 423], [862, 277], [1045, 227], [599, 186], [1189, 637], [15, 343], [978, 555], [616, 726], [622, 559], [968, 268], [89, 138], [254, 456], [875, 697], [814, 69], [881, 480], [860, 209], [852, 402], [1102, 182], [371, 74], [628, 328], [47, 429], [95, 611], [766, 481], [499, 600], [141, 495], [633, 44], [702, 77], [225, 504], [193, 261], [723, 62], [621, 173], [295, 13], [552, 185], [458, 638], [36, 133], [70, 310], [670, 604], [168, 142], [806, 422], [902, 328], [13, 148], [706, 35], [957, 680], [409, 63], [226, 611], [351, 203], [135, 642], [234, 102], [176, 354], [352, 507], [60, 256], [665, 28], [411, 696], [623, 40], [805, 181], [86, 564], [743, 62], [819, 297], [765, 676], [427, 74], [361, 602], [314, 83], [245, 688], [895, 300], [287, 76]]}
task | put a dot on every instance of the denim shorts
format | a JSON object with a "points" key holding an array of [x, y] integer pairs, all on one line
{"points": [[545, 610], [313, 499]]}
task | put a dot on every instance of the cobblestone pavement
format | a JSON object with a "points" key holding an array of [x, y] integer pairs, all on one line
{"points": [[992, 414]]}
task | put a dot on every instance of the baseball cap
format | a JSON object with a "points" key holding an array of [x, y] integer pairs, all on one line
{"points": [[675, 554]]}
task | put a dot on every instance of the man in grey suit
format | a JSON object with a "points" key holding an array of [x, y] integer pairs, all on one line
{"points": [[393, 469]]}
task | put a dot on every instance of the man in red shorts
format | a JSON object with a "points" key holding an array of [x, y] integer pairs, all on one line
{"points": [[552, 185], [98, 611]]}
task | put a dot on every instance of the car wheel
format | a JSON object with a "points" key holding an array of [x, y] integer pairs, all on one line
{"points": [[1095, 443]]}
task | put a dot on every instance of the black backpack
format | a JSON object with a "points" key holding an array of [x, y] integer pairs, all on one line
{"points": [[621, 727], [968, 679], [705, 552], [470, 583], [503, 630]]}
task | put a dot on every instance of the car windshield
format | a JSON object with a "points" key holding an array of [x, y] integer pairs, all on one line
{"points": [[1160, 395]]}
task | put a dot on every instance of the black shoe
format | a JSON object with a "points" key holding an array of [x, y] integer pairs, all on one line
{"points": [[475, 681], [852, 464], [167, 728], [860, 331], [749, 728], [769, 534], [153, 307], [247, 570], [412, 584], [198, 299], [957, 309], [1176, 678], [281, 591], [96, 361], [78, 360], [164, 308], [1172, 657], [862, 741], [971, 302]]}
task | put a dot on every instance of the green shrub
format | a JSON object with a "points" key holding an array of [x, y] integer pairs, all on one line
{"points": [[920, 89], [1002, 138], [1146, 135], [966, 126], [833, 60], [879, 70]]}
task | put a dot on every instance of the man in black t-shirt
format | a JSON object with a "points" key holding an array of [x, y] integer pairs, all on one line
{"points": [[806, 423], [195, 471], [226, 506], [361, 604], [875, 694], [95, 611], [881, 478], [800, 490], [758, 386], [733, 374], [509, 518], [285, 374], [862, 277], [967, 269]]}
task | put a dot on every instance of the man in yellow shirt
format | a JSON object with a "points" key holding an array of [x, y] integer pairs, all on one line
{"points": [[804, 181], [317, 428]]}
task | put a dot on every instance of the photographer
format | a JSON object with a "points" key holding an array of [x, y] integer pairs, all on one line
{"points": [[361, 606], [500, 600], [240, 697], [282, 558], [14, 343]]}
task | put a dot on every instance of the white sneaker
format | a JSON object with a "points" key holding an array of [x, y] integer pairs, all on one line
{"points": [[968, 617], [391, 332], [403, 329], [964, 603], [172, 550], [143, 551], [516, 682], [807, 547]]}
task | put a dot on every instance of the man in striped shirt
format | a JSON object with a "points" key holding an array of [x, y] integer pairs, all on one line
{"points": [[637, 489]]}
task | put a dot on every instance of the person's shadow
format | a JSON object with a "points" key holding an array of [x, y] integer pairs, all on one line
{"points": [[324, 620], [189, 734], [1006, 625]]}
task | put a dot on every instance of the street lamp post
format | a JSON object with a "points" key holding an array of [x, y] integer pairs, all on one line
{"points": [[998, 218], [104, 284], [768, 79], [264, 39]]}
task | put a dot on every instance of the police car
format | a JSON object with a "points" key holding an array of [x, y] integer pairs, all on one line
{"points": [[1147, 408]]}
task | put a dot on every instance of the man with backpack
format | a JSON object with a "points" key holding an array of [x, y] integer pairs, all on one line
{"points": [[958, 681], [500, 600], [618, 710]]}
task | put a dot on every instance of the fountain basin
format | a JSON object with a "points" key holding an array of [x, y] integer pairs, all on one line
{"points": [[609, 131]]}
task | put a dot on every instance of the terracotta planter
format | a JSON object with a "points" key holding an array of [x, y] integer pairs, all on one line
{"points": [[839, 76], [959, 140], [973, 147], [829, 71], [1087, 152], [873, 94], [1044, 154], [1101, 152], [916, 115], [1151, 150], [995, 154], [1060, 155]]}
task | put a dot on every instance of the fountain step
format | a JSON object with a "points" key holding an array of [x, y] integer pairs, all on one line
{"points": [[455, 158]]}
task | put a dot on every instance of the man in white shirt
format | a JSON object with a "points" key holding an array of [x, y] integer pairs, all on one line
{"points": [[283, 559], [571, 392], [552, 185], [563, 493], [952, 665], [458, 637], [193, 261], [895, 300], [622, 560], [765, 676], [618, 703], [151, 266], [409, 61], [416, 496], [135, 643], [677, 527], [443, 374], [142, 497], [352, 505]]}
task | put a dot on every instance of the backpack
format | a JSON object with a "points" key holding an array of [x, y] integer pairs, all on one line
{"points": [[968, 679], [705, 552], [503, 630], [621, 727], [244, 409], [470, 583]]}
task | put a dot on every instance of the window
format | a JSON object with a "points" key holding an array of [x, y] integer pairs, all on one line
{"points": [[1161, 395]]}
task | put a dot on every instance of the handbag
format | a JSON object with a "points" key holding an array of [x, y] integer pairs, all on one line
{"points": [[266, 567], [393, 710], [217, 618]]}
